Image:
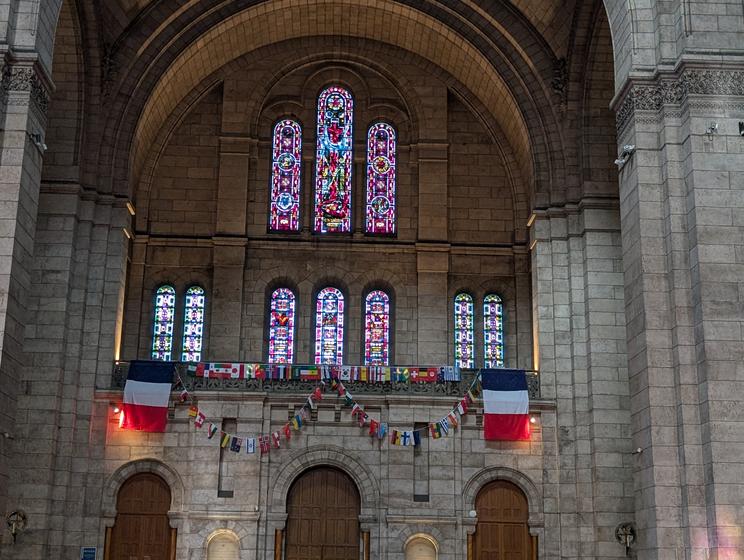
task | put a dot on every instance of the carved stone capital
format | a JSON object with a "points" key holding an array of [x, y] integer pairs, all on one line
{"points": [[675, 90], [24, 78]]}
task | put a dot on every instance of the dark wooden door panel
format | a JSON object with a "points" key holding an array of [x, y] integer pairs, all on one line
{"points": [[502, 532], [323, 517]]}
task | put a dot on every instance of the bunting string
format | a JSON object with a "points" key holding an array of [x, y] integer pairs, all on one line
{"points": [[375, 427]]}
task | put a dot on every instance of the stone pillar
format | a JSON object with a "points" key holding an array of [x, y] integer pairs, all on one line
{"points": [[225, 341], [432, 305], [579, 323], [232, 189], [26, 99], [683, 254]]}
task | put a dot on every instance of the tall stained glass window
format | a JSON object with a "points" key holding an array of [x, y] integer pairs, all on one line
{"points": [[329, 327], [281, 326], [381, 146], [464, 347], [193, 325], [333, 161], [376, 328], [493, 331], [162, 323], [284, 213]]}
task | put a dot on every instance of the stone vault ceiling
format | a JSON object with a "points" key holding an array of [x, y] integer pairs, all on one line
{"points": [[551, 18]]}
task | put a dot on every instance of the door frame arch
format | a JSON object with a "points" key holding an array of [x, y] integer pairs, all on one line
{"points": [[535, 520]]}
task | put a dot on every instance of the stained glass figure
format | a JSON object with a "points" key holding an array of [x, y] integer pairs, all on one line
{"points": [[464, 351], [333, 161], [376, 328], [381, 149], [329, 327], [493, 331], [281, 326], [193, 325], [284, 213], [162, 323]]}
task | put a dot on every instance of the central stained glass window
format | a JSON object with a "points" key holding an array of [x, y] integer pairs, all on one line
{"points": [[333, 161], [284, 213], [163, 319], [464, 344], [281, 326], [329, 327], [376, 328], [381, 145], [193, 325]]}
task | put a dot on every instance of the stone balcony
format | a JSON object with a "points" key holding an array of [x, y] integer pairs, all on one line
{"points": [[300, 386]]}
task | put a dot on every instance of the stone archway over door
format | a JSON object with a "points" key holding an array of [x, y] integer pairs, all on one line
{"points": [[142, 530], [323, 516], [502, 532]]}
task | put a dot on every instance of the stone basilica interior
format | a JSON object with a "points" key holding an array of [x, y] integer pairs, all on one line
{"points": [[404, 193]]}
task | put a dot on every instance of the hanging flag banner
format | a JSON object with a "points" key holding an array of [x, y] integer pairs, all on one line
{"points": [[506, 405], [146, 396]]}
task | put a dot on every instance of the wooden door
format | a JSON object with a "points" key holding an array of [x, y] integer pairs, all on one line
{"points": [[323, 517], [502, 533], [141, 530]]}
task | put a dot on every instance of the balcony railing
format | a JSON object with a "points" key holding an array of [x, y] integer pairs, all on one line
{"points": [[301, 386]]}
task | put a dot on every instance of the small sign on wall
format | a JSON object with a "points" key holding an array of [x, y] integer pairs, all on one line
{"points": [[88, 553]]}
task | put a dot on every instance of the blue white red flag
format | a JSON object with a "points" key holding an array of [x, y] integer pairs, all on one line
{"points": [[146, 395], [506, 404]]}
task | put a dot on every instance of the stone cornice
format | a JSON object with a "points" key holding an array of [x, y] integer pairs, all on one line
{"points": [[652, 95]]}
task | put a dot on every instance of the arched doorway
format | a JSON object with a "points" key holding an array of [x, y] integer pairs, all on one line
{"points": [[141, 530], [323, 516], [502, 532]]}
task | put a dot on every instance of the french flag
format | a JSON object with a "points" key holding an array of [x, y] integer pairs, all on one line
{"points": [[506, 404], [146, 395]]}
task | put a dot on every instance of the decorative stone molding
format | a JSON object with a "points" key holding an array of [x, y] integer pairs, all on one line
{"points": [[325, 455], [652, 97], [25, 79], [524, 483]]}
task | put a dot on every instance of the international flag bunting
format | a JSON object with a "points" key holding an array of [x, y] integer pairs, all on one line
{"points": [[236, 444], [146, 395], [287, 431], [382, 430], [444, 426], [462, 407], [505, 405], [373, 427], [184, 395], [416, 438], [264, 444], [220, 370], [426, 375], [276, 440], [250, 445], [211, 430], [317, 395], [199, 420], [193, 411], [406, 438], [394, 437], [224, 439], [435, 430], [310, 373], [297, 422], [452, 417]]}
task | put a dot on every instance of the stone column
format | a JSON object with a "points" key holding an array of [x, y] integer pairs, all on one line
{"points": [[26, 98], [232, 189], [225, 342], [683, 254], [579, 325]]}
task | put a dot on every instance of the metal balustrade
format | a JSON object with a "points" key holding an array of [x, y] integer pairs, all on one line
{"points": [[302, 386]]}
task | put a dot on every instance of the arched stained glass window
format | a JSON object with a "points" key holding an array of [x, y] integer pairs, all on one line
{"points": [[381, 149], [376, 328], [329, 327], [193, 325], [464, 351], [493, 331], [162, 323], [281, 326], [333, 161], [284, 213]]}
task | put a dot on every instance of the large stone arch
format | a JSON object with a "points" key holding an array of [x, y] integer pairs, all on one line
{"points": [[522, 481], [479, 70], [324, 455], [124, 472]]}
